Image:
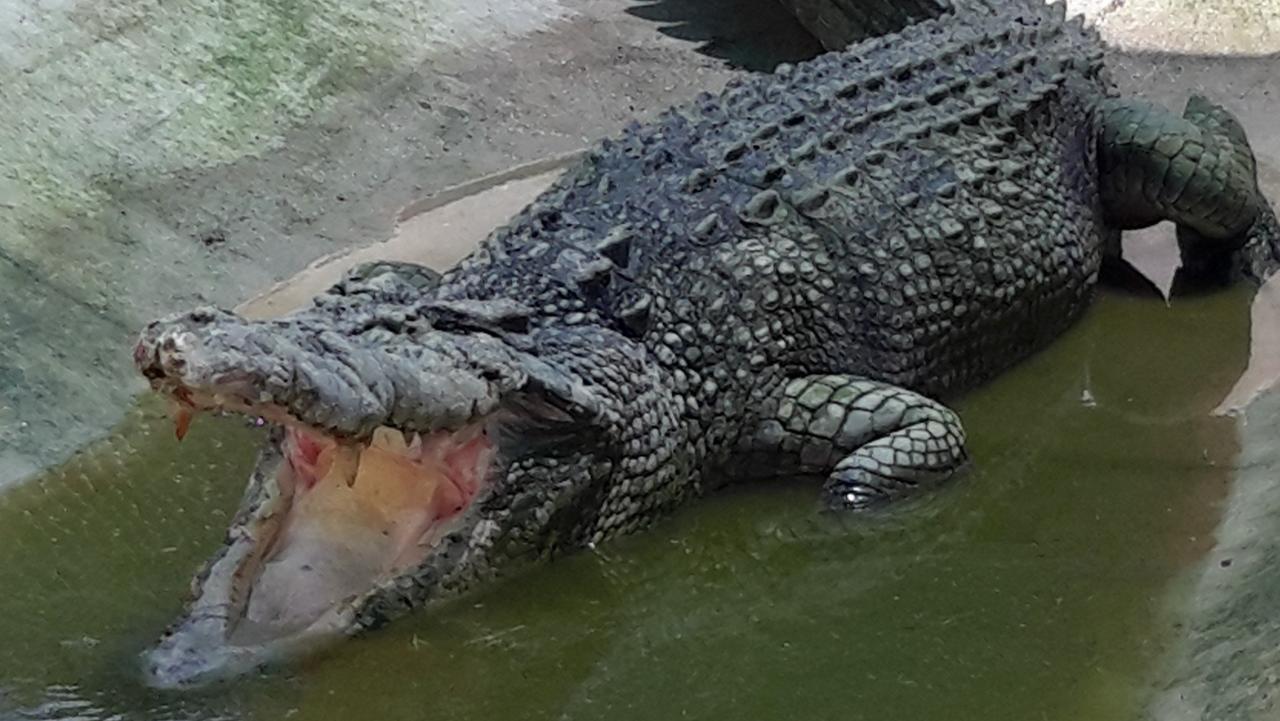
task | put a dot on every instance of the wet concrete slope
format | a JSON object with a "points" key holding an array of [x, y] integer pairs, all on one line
{"points": [[158, 154], [1227, 666]]}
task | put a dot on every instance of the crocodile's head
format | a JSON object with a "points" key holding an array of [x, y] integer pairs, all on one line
{"points": [[409, 454]]}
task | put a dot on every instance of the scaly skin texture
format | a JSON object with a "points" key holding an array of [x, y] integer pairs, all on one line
{"points": [[779, 279]]}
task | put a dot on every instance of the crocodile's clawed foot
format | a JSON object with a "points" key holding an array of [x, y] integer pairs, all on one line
{"points": [[874, 441]]}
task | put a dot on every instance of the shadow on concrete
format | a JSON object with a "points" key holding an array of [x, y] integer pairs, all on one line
{"points": [[749, 34]]}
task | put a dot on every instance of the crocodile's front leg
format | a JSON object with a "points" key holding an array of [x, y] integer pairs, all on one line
{"points": [[873, 441]]}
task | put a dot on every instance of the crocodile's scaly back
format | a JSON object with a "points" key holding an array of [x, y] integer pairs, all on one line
{"points": [[893, 206]]}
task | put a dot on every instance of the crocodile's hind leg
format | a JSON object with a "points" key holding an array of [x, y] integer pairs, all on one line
{"points": [[1196, 170], [873, 441]]}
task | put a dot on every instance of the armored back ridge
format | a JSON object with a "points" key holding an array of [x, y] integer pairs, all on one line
{"points": [[890, 206]]}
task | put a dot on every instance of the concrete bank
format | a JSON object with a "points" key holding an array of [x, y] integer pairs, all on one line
{"points": [[157, 156]]}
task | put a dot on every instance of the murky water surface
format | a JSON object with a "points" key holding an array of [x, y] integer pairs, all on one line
{"points": [[1033, 588]]}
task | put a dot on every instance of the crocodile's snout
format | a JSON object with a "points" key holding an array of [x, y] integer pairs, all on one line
{"points": [[305, 371]]}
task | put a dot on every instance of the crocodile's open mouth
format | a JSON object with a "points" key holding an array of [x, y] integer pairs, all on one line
{"points": [[373, 494], [352, 515], [332, 520]]}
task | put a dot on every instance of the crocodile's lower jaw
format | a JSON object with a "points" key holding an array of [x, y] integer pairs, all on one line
{"points": [[342, 520], [357, 515]]}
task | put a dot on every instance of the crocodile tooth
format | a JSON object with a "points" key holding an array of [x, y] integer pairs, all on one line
{"points": [[412, 443], [181, 414]]}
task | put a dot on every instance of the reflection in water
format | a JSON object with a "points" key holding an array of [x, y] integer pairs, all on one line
{"points": [[1032, 588]]}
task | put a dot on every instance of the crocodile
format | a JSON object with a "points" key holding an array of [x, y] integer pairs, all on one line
{"points": [[784, 279]]}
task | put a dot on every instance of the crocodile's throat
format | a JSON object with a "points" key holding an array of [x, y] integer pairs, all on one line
{"points": [[349, 516]]}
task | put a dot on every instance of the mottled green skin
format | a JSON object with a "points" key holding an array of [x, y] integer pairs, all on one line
{"points": [[778, 279], [1196, 170]]}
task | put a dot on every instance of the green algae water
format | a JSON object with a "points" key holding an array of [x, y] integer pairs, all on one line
{"points": [[1034, 587]]}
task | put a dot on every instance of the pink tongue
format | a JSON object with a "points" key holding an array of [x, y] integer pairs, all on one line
{"points": [[309, 456], [306, 448]]}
